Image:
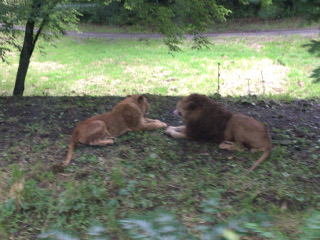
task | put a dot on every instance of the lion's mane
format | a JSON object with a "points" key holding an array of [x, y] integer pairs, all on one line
{"points": [[207, 119]]}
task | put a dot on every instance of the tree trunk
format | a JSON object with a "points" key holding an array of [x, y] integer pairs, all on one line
{"points": [[26, 52]]}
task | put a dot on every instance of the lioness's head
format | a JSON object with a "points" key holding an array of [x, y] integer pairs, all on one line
{"points": [[141, 101], [190, 106]]}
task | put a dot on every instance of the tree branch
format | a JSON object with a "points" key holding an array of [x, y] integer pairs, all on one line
{"points": [[39, 32]]}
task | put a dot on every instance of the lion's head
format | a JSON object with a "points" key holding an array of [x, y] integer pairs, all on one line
{"points": [[190, 107], [204, 118]]}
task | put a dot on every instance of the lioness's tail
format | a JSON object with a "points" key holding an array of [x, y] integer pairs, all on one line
{"points": [[70, 150], [265, 155]]}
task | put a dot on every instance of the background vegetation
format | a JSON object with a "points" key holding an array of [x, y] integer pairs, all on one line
{"points": [[117, 15]]}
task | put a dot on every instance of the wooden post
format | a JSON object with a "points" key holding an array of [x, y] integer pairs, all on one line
{"points": [[218, 78], [263, 84]]}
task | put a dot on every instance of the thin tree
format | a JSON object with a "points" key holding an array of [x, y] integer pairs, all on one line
{"points": [[40, 18]]}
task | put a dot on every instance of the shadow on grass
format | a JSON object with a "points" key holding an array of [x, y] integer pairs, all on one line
{"points": [[51, 117], [145, 170], [40, 122]]}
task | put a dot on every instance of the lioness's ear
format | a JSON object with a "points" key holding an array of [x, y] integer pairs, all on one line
{"points": [[140, 99], [191, 106]]}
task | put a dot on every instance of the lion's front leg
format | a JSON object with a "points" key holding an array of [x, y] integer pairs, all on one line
{"points": [[149, 120], [150, 124], [177, 132]]}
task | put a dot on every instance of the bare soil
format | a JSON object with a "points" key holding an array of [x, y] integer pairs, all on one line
{"points": [[26, 121]]}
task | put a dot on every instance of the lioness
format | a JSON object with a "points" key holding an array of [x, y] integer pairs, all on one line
{"points": [[103, 129], [206, 119]]}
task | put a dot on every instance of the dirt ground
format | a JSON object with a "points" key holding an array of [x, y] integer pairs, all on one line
{"points": [[276, 32], [294, 124]]}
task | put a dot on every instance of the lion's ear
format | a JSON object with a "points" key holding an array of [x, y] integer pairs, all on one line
{"points": [[140, 99], [191, 106]]}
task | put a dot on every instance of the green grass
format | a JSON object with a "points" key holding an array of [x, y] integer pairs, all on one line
{"points": [[118, 67], [145, 171]]}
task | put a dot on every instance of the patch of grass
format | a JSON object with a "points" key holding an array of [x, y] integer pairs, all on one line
{"points": [[146, 170], [121, 67]]}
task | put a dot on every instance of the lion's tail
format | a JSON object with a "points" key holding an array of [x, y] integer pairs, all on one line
{"points": [[70, 150], [265, 155]]}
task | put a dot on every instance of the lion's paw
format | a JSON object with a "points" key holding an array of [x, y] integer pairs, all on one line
{"points": [[169, 130], [163, 125], [227, 145]]}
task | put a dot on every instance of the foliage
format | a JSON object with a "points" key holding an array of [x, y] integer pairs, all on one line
{"points": [[7, 35], [47, 19], [314, 47], [108, 14], [95, 232], [270, 9], [155, 225], [163, 225], [311, 229], [314, 15], [171, 18], [51, 18], [130, 12], [174, 18]]}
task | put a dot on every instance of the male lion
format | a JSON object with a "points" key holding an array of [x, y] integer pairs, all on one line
{"points": [[103, 129], [209, 120]]}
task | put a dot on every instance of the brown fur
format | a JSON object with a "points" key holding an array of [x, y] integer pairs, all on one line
{"points": [[208, 120], [128, 115]]}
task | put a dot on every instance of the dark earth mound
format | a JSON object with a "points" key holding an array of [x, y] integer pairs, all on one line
{"points": [[294, 124]]}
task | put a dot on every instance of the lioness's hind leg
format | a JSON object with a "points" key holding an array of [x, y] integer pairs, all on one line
{"points": [[95, 133], [100, 142]]}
